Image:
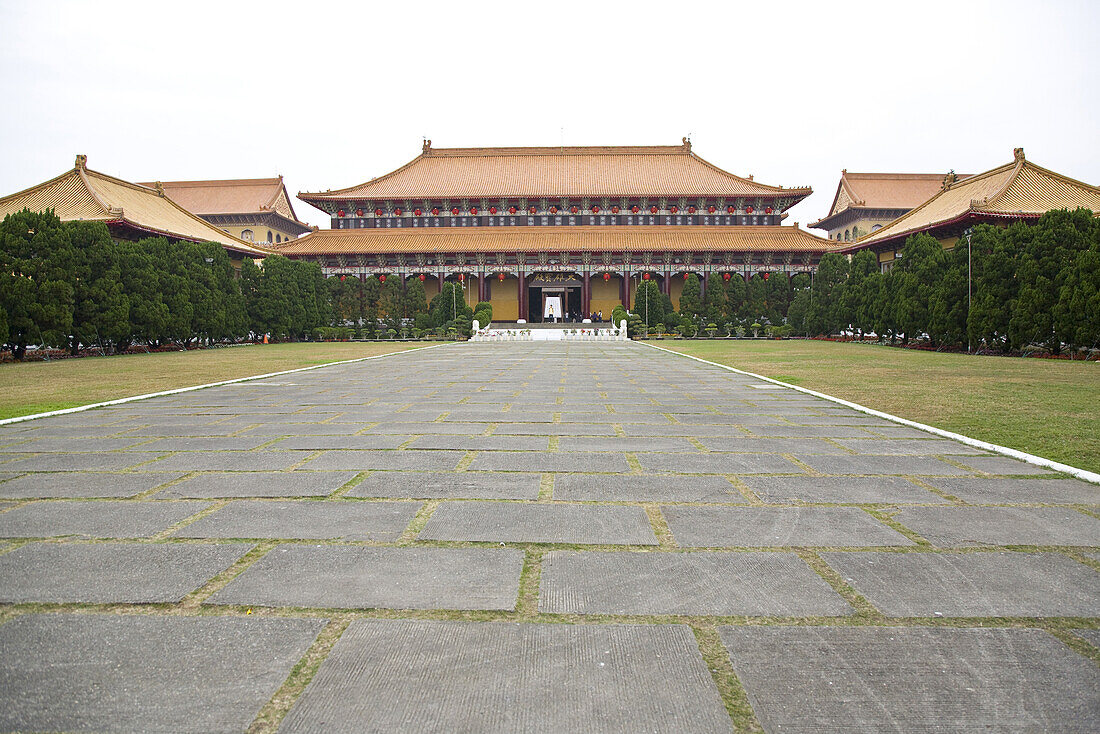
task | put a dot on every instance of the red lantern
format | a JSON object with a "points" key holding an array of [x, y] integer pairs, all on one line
{"points": [[454, 211], [377, 212], [691, 210], [595, 210], [500, 276], [473, 210], [417, 212], [340, 213], [607, 276], [729, 210], [532, 210], [511, 210], [766, 276], [634, 209], [462, 277], [710, 210], [675, 209], [397, 212], [422, 277], [614, 210], [652, 210], [767, 210], [382, 278], [492, 210], [572, 210], [645, 276], [748, 209], [435, 211], [343, 278], [553, 210], [686, 275], [725, 276], [358, 212]]}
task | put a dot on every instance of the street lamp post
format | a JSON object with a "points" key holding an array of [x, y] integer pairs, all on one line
{"points": [[968, 232]]}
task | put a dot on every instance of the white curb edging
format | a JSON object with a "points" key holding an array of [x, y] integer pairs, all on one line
{"points": [[1088, 476], [176, 391]]}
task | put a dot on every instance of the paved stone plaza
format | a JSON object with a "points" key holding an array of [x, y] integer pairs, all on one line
{"points": [[549, 537]]}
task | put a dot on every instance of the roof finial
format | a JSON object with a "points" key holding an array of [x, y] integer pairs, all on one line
{"points": [[949, 180], [427, 148], [687, 143], [81, 161], [159, 187], [1018, 154]]}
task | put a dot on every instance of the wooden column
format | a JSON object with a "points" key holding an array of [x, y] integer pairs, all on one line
{"points": [[586, 296], [520, 293]]}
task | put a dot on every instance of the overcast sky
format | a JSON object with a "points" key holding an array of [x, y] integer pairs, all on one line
{"points": [[332, 94]]}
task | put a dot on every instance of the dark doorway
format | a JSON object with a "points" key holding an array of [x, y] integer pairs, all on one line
{"points": [[570, 300]]}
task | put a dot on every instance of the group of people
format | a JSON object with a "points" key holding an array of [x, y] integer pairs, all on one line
{"points": [[595, 317]]}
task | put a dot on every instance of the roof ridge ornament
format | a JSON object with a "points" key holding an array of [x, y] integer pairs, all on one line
{"points": [[426, 149], [160, 188], [949, 180], [81, 161], [1018, 155], [687, 144]]}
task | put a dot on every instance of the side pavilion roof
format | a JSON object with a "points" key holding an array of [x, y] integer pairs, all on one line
{"points": [[596, 171], [257, 196], [1016, 190], [557, 239], [84, 194]]}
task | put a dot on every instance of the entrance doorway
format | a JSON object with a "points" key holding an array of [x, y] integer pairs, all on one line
{"points": [[560, 295]]}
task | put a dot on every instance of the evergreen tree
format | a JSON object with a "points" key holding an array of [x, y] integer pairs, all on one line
{"points": [[649, 303], [825, 316], [416, 303], [995, 252], [691, 298], [1076, 314], [736, 304], [714, 303], [36, 259], [799, 309], [855, 304], [101, 314], [391, 303]]}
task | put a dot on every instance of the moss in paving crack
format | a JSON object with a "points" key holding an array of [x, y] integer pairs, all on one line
{"points": [[273, 712], [660, 525], [840, 586], [347, 486], [530, 577], [418, 522], [887, 518], [204, 592], [729, 687]]}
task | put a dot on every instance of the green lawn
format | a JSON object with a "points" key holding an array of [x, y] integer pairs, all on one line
{"points": [[1046, 407], [36, 387]]}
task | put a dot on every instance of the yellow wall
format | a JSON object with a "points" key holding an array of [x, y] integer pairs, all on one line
{"points": [[605, 294], [502, 296], [431, 288], [259, 232], [676, 287], [860, 227]]}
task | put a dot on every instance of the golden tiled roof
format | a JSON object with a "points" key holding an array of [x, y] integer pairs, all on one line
{"points": [[1016, 189], [600, 171], [231, 196], [83, 194], [556, 239]]}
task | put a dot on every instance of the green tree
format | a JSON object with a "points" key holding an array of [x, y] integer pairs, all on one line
{"points": [[391, 303], [995, 252], [691, 298], [36, 259], [714, 303], [416, 302], [101, 314], [649, 303], [855, 306], [736, 298], [825, 315]]}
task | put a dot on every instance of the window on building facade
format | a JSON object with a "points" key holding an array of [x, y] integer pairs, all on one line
{"points": [[278, 238], [876, 227], [846, 234], [269, 235], [247, 235]]}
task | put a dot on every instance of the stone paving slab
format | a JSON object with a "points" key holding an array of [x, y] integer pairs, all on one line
{"points": [[868, 464], [539, 523], [449, 485], [318, 443], [727, 431], [428, 428], [95, 519], [623, 444], [1091, 636], [554, 429], [305, 429], [1002, 465], [725, 527], [990, 584], [573, 461], [229, 461], [206, 443], [440, 676], [111, 573], [645, 488], [787, 431], [482, 443], [715, 463], [68, 445], [335, 520], [949, 527], [749, 445], [396, 460], [907, 679], [258, 484], [83, 484], [144, 673], [841, 490], [80, 462], [357, 577], [908, 447], [1007, 490], [757, 584]]}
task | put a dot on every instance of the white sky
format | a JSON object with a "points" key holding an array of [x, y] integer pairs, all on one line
{"points": [[332, 94]]}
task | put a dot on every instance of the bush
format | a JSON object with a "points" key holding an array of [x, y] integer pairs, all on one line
{"points": [[484, 306], [483, 317]]}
